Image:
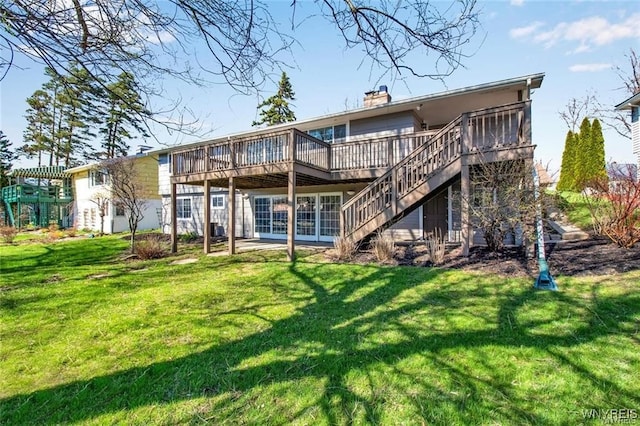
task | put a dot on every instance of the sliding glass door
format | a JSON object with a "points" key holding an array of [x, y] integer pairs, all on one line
{"points": [[317, 216]]}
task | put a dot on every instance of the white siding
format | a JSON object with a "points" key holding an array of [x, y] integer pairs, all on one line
{"points": [[635, 137], [219, 216], [164, 176], [85, 211]]}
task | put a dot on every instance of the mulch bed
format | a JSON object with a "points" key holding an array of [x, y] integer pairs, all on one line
{"points": [[594, 256]]}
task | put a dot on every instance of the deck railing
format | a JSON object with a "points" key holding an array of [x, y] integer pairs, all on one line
{"points": [[482, 130], [311, 151], [273, 148], [17, 192], [375, 153], [501, 126]]}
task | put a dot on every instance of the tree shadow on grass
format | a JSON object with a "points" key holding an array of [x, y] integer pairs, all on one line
{"points": [[359, 326], [62, 254]]}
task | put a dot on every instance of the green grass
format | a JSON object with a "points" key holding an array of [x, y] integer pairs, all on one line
{"points": [[253, 339], [575, 207]]}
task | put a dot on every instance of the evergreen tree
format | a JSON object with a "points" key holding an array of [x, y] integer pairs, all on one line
{"points": [[123, 118], [76, 99], [6, 158], [581, 166], [53, 87], [37, 135], [275, 109], [595, 162], [567, 174]]}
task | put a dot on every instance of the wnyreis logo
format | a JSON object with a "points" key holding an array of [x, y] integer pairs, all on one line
{"points": [[612, 415]]}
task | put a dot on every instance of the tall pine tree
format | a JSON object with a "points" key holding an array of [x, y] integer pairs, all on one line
{"points": [[76, 98], [275, 109], [37, 135], [123, 116], [6, 158]]}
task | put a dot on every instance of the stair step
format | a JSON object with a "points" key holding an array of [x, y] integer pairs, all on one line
{"points": [[568, 232]]}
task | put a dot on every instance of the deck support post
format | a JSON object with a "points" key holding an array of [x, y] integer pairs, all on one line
{"points": [[291, 215], [465, 186], [231, 231], [465, 194], [207, 216], [174, 219]]}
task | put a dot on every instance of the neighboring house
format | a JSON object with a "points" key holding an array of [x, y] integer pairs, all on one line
{"points": [[400, 166], [633, 106], [617, 172], [91, 182]]}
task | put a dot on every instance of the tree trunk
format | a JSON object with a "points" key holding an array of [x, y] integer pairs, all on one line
{"points": [[133, 239]]}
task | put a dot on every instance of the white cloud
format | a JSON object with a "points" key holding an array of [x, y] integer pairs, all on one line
{"points": [[523, 32], [589, 67], [588, 32], [517, 2]]}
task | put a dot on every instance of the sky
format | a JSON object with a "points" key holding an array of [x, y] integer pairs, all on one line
{"points": [[577, 44]]}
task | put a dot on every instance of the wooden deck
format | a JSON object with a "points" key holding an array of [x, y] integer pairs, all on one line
{"points": [[402, 170], [264, 161]]}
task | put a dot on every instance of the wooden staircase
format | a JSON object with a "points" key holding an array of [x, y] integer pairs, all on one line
{"points": [[404, 186]]}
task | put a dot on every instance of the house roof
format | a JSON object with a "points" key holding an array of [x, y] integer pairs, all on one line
{"points": [[436, 108], [81, 168], [627, 104], [95, 164]]}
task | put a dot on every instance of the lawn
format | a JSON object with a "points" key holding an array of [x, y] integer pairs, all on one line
{"points": [[251, 339], [577, 210]]}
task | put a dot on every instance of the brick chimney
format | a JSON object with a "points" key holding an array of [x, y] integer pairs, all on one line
{"points": [[377, 97]]}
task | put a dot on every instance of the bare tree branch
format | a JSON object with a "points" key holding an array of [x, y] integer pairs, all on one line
{"points": [[620, 121], [234, 42], [577, 109]]}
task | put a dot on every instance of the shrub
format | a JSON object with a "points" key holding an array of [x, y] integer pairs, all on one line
{"points": [[615, 209], [383, 247], [53, 227], [188, 237], [345, 248], [72, 232], [8, 233], [151, 248], [436, 247], [54, 235]]}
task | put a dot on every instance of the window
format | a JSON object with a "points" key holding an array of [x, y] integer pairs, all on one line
{"points": [[119, 209], [306, 215], [97, 177], [262, 215], [330, 215], [183, 208], [217, 201], [330, 134], [280, 215]]}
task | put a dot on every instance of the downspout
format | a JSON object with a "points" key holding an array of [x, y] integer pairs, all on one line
{"points": [[544, 281]]}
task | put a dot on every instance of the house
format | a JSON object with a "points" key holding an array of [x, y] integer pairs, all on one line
{"points": [[633, 106], [92, 193], [400, 166], [618, 173]]}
